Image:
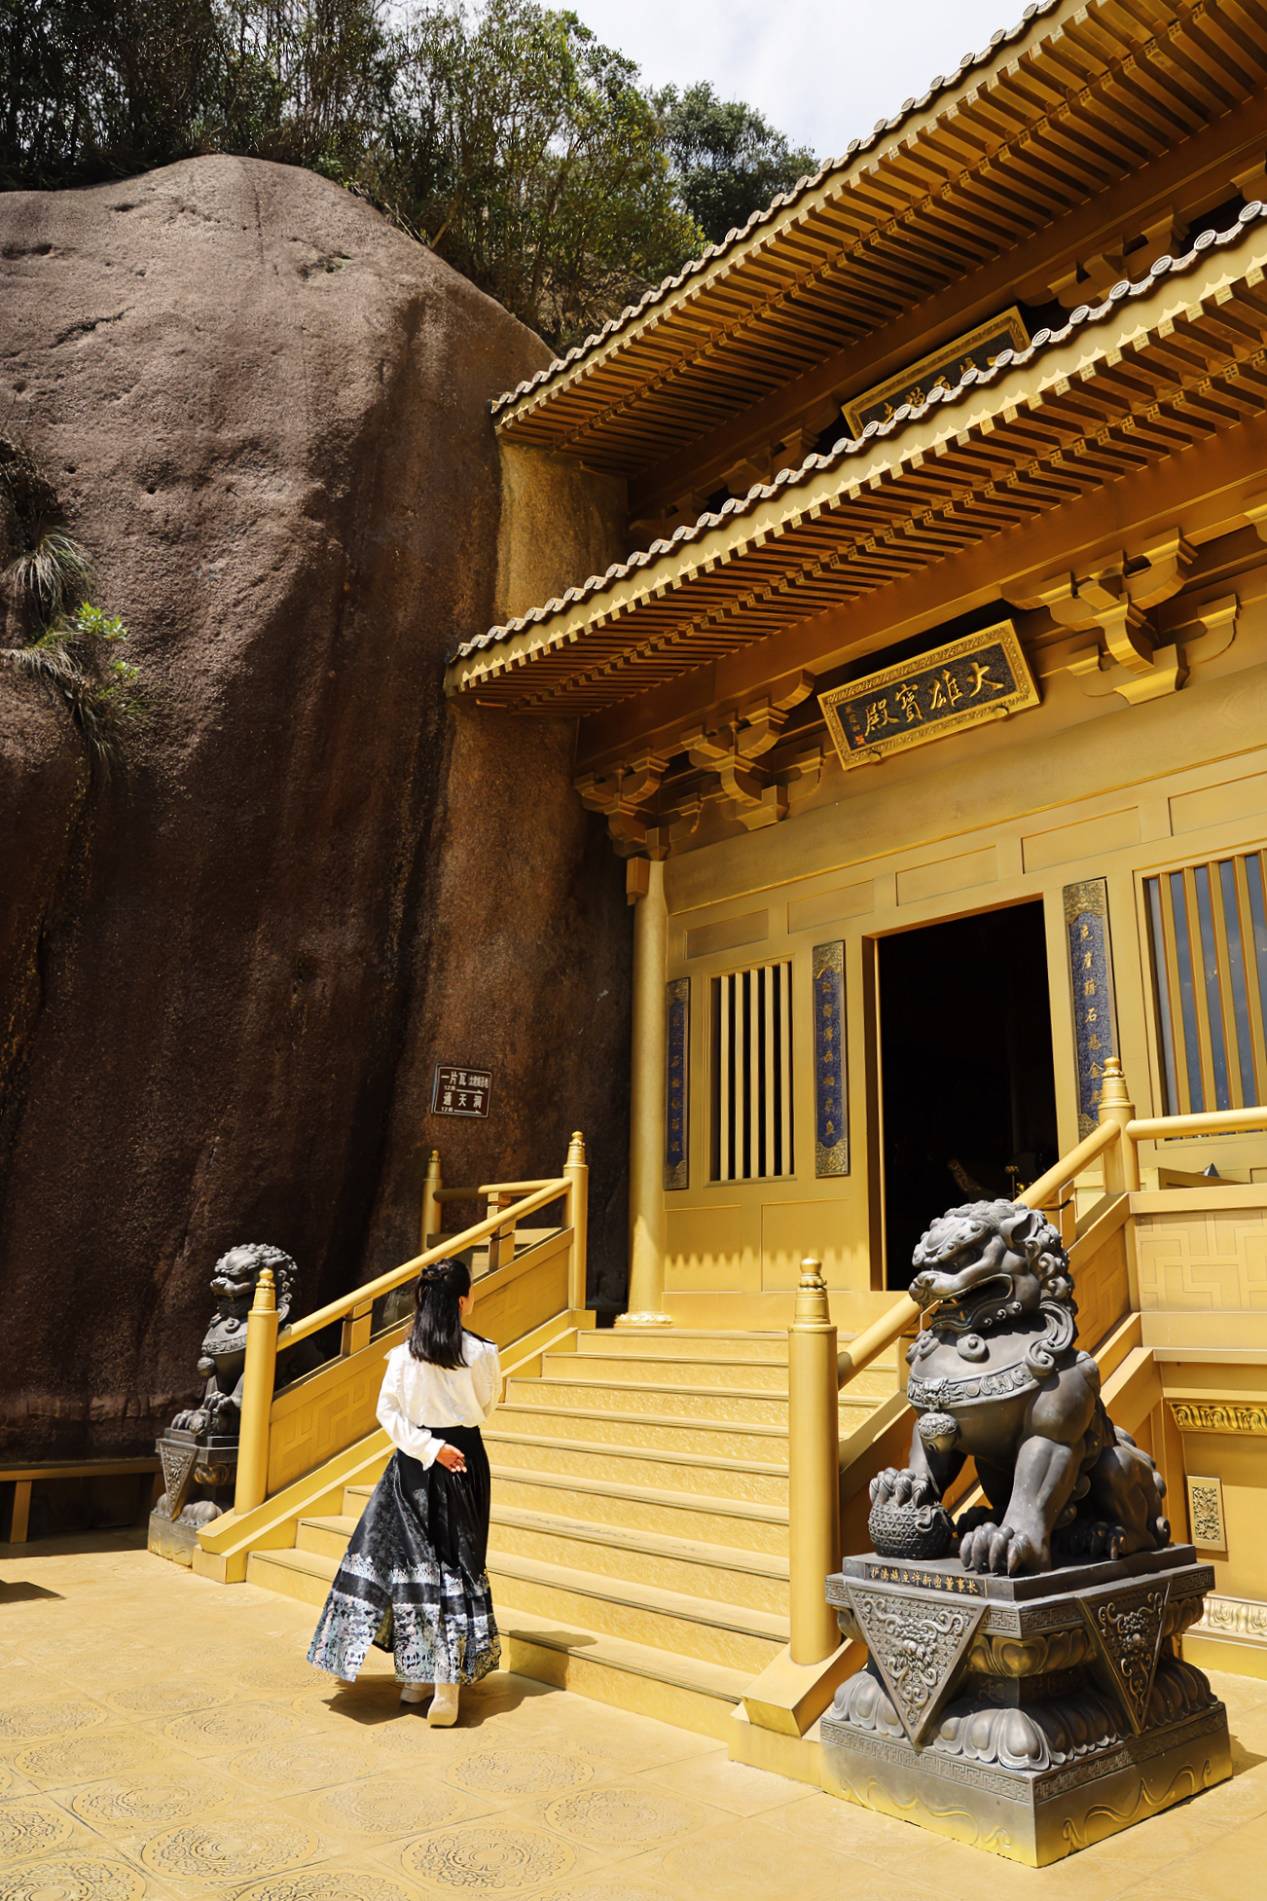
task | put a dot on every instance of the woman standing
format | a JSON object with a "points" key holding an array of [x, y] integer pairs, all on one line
{"points": [[413, 1581]]}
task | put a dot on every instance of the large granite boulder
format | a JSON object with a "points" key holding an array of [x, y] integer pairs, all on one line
{"points": [[227, 972]]}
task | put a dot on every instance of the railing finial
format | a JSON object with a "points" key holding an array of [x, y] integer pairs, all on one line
{"points": [[576, 1147], [265, 1301], [1113, 1091], [811, 1296]]}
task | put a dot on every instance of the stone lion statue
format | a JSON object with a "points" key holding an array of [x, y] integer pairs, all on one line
{"points": [[222, 1359], [995, 1376]]}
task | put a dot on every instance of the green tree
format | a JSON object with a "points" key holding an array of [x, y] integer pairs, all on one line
{"points": [[728, 159], [525, 152], [105, 88], [503, 134]]}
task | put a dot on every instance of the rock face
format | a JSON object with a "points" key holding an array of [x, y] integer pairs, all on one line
{"points": [[228, 971]]}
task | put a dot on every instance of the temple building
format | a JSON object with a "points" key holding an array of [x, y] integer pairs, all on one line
{"points": [[927, 707], [928, 711]]}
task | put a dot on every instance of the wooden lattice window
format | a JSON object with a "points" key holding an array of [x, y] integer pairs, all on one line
{"points": [[751, 1073], [1207, 927]]}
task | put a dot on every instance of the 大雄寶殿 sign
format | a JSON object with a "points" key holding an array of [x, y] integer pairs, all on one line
{"points": [[981, 677]]}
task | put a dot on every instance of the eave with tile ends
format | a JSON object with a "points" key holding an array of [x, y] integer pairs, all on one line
{"points": [[1164, 362], [1053, 113]]}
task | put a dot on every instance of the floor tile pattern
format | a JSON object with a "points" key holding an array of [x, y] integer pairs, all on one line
{"points": [[162, 1739]]}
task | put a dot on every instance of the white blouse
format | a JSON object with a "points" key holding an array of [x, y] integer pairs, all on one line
{"points": [[417, 1398]]}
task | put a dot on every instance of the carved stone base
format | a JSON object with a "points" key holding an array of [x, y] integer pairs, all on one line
{"points": [[1028, 1716], [171, 1538], [188, 1459]]}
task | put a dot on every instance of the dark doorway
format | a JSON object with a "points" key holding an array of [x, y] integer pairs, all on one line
{"points": [[968, 1092]]}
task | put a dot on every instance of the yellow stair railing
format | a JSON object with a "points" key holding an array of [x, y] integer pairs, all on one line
{"points": [[509, 1204], [817, 1373]]}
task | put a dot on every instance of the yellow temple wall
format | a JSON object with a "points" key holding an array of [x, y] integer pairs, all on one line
{"points": [[1076, 789]]}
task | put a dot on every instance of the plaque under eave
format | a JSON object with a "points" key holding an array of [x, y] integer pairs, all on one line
{"points": [[968, 682]]}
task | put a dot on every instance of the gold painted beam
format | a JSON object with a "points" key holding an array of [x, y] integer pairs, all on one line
{"points": [[1007, 448]]}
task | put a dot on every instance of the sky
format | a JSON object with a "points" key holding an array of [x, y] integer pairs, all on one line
{"points": [[822, 71]]}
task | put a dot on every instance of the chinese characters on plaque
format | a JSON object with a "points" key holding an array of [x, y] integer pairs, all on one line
{"points": [[831, 1129], [677, 1083], [460, 1092], [980, 677], [1086, 908], [944, 369]]}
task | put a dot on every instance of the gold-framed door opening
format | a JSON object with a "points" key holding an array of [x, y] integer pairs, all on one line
{"points": [[962, 1070]]}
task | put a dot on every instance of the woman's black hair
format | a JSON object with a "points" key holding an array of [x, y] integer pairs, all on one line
{"points": [[436, 1335]]}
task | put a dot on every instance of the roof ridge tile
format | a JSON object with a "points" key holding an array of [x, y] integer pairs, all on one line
{"points": [[693, 266], [847, 446]]}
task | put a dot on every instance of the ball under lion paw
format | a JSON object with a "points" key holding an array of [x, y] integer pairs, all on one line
{"points": [[908, 1529]]}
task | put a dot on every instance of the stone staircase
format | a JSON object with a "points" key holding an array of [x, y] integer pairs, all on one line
{"points": [[638, 1549]]}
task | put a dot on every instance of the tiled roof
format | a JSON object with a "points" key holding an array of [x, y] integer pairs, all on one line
{"points": [[1008, 361], [955, 195], [883, 128]]}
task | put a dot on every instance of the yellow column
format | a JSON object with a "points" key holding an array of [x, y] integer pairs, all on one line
{"points": [[646, 1106], [258, 1379], [576, 1169], [813, 1469], [431, 1216], [1121, 1162]]}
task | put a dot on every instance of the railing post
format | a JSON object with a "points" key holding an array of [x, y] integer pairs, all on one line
{"points": [[356, 1331], [501, 1244], [431, 1216], [258, 1380], [813, 1469], [576, 1170], [1121, 1162]]}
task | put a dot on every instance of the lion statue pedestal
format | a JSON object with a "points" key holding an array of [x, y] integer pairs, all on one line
{"points": [[1024, 1693], [200, 1447]]}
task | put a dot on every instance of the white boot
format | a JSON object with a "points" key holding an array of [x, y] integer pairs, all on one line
{"points": [[444, 1706], [414, 1692]]}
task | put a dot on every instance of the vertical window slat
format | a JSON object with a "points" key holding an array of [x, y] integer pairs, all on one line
{"points": [[1161, 994], [1224, 974], [771, 1092], [1207, 925], [1254, 985], [752, 1070], [725, 1158], [785, 1094], [1198, 1003], [1174, 996]]}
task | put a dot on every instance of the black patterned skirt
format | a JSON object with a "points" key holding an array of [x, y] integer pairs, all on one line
{"points": [[413, 1581]]}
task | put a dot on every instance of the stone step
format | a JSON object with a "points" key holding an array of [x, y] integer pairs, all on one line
{"points": [[624, 1369], [676, 1399], [606, 1503], [692, 1342], [326, 1535], [709, 1573], [673, 1621], [648, 1432], [303, 1575], [753, 1580], [685, 1691], [671, 1402], [764, 1481]]}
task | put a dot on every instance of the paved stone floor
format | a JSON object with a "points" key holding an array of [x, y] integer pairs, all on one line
{"points": [[160, 1736]]}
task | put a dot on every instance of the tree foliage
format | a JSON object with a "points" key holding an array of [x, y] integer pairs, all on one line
{"points": [[506, 136], [726, 157]]}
